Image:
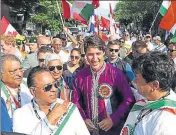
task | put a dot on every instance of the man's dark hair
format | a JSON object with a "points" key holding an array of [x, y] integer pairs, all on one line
{"points": [[114, 42], [32, 74], [155, 66], [94, 42], [76, 49], [138, 44], [44, 49]]}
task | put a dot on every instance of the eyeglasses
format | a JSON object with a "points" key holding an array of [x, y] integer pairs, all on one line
{"points": [[147, 36], [15, 71], [52, 68], [83, 55], [49, 45], [122, 41], [111, 50], [74, 57], [170, 50], [48, 87], [41, 60]]}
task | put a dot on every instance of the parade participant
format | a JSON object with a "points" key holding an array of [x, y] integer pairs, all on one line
{"points": [[43, 41], [172, 52], [72, 67], [148, 39], [8, 45], [158, 46], [30, 60], [57, 46], [101, 91], [128, 42], [138, 47], [13, 88], [46, 114], [114, 59], [42, 53], [156, 115], [54, 63]]}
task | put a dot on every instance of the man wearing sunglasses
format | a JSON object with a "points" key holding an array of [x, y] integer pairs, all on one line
{"points": [[54, 64], [148, 39], [139, 47], [116, 61], [101, 91], [172, 52], [46, 114]]}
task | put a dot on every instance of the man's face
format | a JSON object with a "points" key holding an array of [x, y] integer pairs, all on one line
{"points": [[6, 47], [57, 45], [56, 69], [157, 42], [12, 73], [41, 58], [113, 51], [33, 47], [148, 38], [95, 57], [44, 41], [41, 82], [139, 51], [64, 42], [172, 50], [143, 87]]}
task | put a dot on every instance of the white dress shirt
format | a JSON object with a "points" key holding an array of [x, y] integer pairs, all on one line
{"points": [[25, 121]]}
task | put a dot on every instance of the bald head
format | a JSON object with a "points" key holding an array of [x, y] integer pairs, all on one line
{"points": [[43, 41]]}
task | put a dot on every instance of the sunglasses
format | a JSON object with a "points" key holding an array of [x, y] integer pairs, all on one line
{"points": [[111, 50], [49, 45], [41, 60], [74, 57], [52, 68], [48, 87], [147, 36], [83, 55], [170, 50], [122, 41]]}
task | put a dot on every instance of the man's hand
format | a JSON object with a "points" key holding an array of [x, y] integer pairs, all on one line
{"points": [[90, 125], [57, 112], [106, 124]]}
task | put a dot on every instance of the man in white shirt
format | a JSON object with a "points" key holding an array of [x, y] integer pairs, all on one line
{"points": [[57, 45], [12, 85], [45, 114], [156, 114]]}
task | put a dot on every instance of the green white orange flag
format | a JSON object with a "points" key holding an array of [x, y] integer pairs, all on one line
{"points": [[168, 11], [84, 8]]}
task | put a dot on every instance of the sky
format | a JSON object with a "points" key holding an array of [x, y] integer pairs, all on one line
{"points": [[105, 4]]}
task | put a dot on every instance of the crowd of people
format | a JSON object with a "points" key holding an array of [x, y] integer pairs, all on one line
{"points": [[66, 85]]}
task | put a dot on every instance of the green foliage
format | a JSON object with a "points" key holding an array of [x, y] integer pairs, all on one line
{"points": [[131, 9], [142, 12], [48, 15]]}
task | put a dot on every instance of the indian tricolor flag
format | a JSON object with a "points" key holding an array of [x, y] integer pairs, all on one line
{"points": [[84, 8], [168, 11], [7, 28]]}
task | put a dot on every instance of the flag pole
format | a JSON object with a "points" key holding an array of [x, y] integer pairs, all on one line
{"points": [[60, 15], [154, 21]]}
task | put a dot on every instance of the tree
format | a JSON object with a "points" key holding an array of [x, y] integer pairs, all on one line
{"points": [[141, 12], [47, 15]]}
